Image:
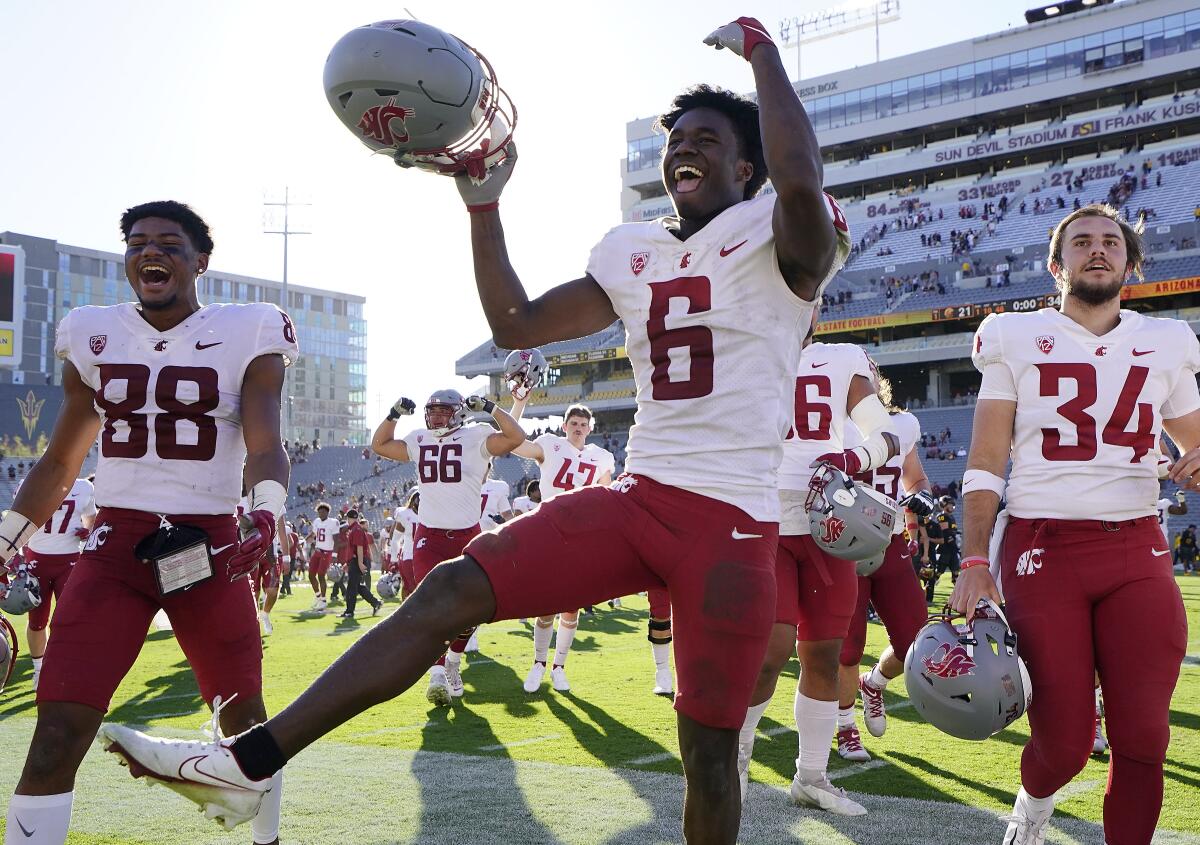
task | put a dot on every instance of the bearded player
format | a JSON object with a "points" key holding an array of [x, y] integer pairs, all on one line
{"points": [[453, 458], [893, 588], [713, 302], [181, 396], [51, 554], [1077, 399], [815, 591], [566, 463]]}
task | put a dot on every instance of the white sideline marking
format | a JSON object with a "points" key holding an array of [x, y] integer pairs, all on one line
{"points": [[858, 769], [395, 730], [777, 730], [653, 758], [503, 745]]}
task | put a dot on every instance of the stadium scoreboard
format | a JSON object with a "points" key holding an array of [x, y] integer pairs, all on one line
{"points": [[12, 286], [976, 310]]}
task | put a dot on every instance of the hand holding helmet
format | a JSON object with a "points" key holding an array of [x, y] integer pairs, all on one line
{"points": [[480, 185], [921, 503], [847, 461], [524, 370], [974, 585]]}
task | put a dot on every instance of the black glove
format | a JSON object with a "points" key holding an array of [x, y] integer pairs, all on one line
{"points": [[402, 408], [479, 403], [921, 503]]}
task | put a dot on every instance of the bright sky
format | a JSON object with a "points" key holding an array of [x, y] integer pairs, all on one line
{"points": [[116, 103]]}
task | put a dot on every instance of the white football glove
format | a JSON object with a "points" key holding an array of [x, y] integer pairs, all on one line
{"points": [[740, 37], [484, 195]]}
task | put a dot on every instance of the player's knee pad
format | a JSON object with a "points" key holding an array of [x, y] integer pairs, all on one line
{"points": [[658, 625]]}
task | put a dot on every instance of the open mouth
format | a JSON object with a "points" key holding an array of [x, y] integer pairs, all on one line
{"points": [[1097, 265], [153, 273], [687, 178]]}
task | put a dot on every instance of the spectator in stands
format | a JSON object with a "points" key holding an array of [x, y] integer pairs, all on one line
{"points": [[1158, 179], [1021, 209], [961, 452]]}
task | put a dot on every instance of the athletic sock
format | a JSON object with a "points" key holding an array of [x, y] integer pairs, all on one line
{"points": [[37, 664], [541, 640], [40, 819], [264, 827], [562, 644], [754, 715], [459, 645], [453, 657], [876, 678], [662, 653], [845, 717], [257, 753], [1034, 806], [816, 723]]}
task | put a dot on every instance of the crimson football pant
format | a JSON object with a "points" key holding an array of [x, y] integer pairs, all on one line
{"points": [[1086, 596], [432, 546], [52, 572], [896, 594]]}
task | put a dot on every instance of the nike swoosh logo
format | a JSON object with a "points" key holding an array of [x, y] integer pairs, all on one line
{"points": [[1157, 553], [818, 366], [726, 250], [1138, 353], [189, 771], [28, 833], [200, 345], [223, 548], [738, 535]]}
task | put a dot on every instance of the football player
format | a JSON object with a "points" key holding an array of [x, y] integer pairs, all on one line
{"points": [[566, 463], [713, 301], [943, 531], [181, 396], [893, 588], [324, 531], [1076, 398], [658, 632], [406, 526], [815, 591], [531, 499], [494, 506], [51, 554], [453, 458]]}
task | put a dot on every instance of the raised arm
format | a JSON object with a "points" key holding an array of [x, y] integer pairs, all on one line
{"points": [[383, 441], [510, 435]]}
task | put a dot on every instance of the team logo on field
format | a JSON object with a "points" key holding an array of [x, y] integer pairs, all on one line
{"points": [[97, 342], [949, 662], [96, 539], [1030, 562], [832, 528], [638, 261], [376, 123], [1045, 342]]}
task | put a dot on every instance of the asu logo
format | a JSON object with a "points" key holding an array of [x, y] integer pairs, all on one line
{"points": [[1030, 561], [97, 342], [376, 123], [1045, 342], [638, 261], [96, 539], [31, 410], [832, 528], [949, 662]]}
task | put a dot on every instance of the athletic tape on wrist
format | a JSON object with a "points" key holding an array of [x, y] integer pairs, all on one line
{"points": [[15, 531], [268, 495]]}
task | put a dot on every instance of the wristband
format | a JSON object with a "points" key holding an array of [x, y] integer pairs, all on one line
{"points": [[974, 560], [268, 495], [15, 531], [489, 407], [482, 207], [981, 479], [393, 415]]}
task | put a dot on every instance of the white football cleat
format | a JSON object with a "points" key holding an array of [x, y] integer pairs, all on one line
{"points": [[454, 679], [473, 643], [439, 690], [874, 713], [1026, 826], [823, 795], [265, 619], [534, 679], [558, 679], [664, 682], [203, 772], [1099, 743], [850, 745]]}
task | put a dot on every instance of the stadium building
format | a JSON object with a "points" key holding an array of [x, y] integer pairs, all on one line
{"points": [[42, 279], [952, 165]]}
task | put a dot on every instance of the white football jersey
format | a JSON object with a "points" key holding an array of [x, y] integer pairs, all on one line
{"points": [[450, 474], [713, 333], [170, 402], [566, 468], [325, 532], [494, 502], [886, 479], [408, 518], [1164, 515], [57, 536], [1089, 408], [523, 504]]}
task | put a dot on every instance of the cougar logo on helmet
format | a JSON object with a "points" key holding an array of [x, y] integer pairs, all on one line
{"points": [[376, 123], [831, 529], [949, 662]]}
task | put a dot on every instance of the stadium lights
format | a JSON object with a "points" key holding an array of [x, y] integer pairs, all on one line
{"points": [[837, 20], [1063, 7]]}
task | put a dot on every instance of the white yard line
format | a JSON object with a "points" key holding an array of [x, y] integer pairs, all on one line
{"points": [[858, 770], [520, 742]]}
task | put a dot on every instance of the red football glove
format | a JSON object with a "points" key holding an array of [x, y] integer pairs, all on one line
{"points": [[248, 552], [847, 461], [914, 549], [740, 36]]}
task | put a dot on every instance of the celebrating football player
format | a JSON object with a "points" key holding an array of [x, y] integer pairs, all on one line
{"points": [[324, 530], [181, 396], [815, 591], [713, 301], [566, 463], [51, 554], [1077, 398]]}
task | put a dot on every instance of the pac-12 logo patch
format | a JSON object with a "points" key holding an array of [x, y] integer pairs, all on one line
{"points": [[638, 261], [97, 342], [1045, 342]]}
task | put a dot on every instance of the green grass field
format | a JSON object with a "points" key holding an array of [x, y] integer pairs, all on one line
{"points": [[596, 765]]}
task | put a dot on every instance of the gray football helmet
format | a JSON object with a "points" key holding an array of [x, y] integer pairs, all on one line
{"points": [[869, 566], [847, 519], [524, 370], [968, 680], [335, 573], [444, 412], [22, 593], [8, 651], [388, 585], [420, 95]]}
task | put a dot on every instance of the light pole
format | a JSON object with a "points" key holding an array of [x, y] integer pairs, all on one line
{"points": [[837, 20], [287, 232]]}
